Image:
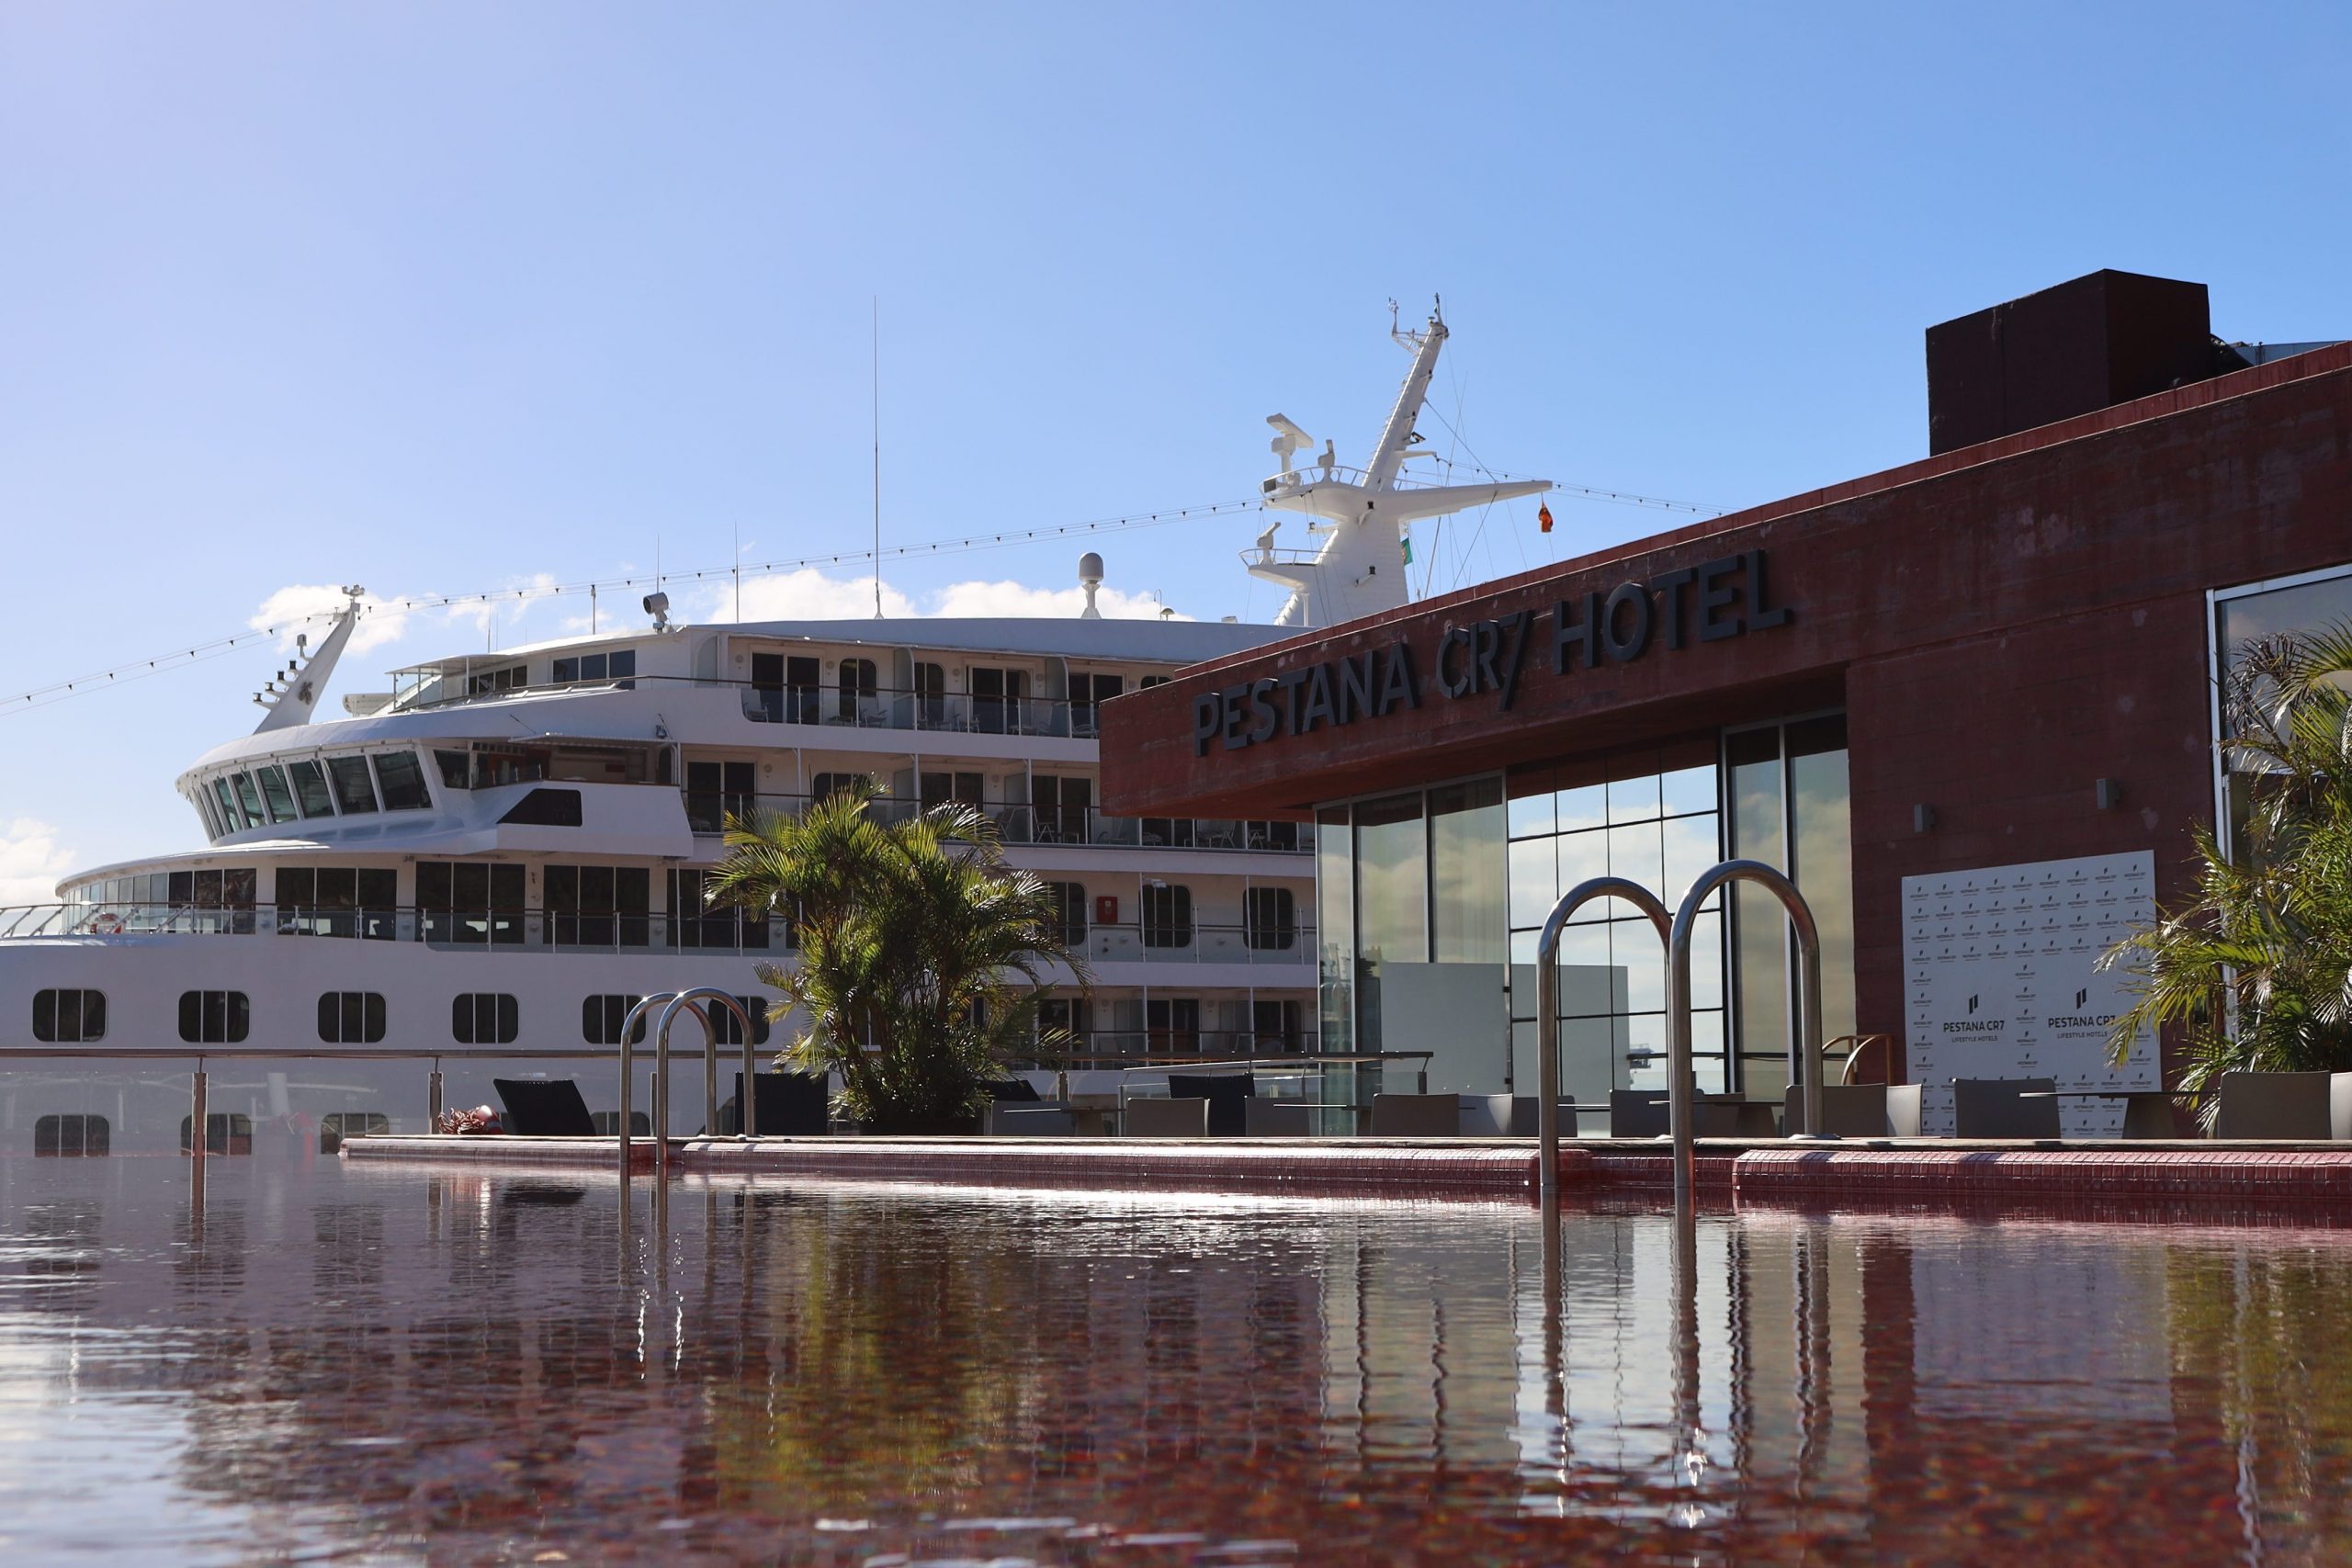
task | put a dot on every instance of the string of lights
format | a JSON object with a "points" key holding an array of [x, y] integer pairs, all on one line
{"points": [[59, 690]]}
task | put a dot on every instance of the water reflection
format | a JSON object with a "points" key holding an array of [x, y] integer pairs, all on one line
{"points": [[469, 1368]]}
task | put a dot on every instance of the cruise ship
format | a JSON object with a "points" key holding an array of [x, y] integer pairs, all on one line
{"points": [[504, 851]]}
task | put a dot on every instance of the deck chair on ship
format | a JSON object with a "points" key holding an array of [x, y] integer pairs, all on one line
{"points": [[544, 1107]]}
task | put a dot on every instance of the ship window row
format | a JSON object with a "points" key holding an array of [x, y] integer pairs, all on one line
{"points": [[352, 785], [76, 1016], [995, 699]]}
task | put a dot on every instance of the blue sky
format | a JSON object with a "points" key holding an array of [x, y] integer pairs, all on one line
{"points": [[449, 297]]}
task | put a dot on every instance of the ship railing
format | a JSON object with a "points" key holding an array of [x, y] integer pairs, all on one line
{"points": [[1343, 473], [1022, 822], [1270, 941]]}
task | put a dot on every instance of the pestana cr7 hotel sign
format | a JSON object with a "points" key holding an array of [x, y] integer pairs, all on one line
{"points": [[1721, 599]]}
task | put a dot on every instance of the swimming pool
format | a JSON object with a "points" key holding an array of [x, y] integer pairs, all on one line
{"points": [[373, 1364]]}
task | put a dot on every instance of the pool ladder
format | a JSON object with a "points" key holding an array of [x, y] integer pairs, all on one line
{"points": [[1675, 932]]}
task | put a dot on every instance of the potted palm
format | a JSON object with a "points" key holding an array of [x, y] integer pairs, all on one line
{"points": [[922, 953]]}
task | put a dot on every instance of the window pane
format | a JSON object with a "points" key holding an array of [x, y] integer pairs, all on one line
{"points": [[1633, 800], [1761, 939], [1531, 803], [240, 1011], [45, 1016], [248, 798], [1335, 928], [402, 780], [1691, 852], [1466, 873], [1688, 790], [1584, 856], [1534, 879], [1584, 808], [94, 1015], [354, 792], [310, 789], [274, 790], [1634, 854]]}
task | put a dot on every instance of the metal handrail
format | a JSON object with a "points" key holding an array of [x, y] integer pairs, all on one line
{"points": [[1547, 1020], [1681, 1100], [671, 1003]]}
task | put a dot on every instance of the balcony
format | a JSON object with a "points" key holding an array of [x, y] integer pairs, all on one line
{"points": [[1017, 823]]}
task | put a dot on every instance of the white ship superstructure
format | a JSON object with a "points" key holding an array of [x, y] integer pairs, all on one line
{"points": [[507, 850]]}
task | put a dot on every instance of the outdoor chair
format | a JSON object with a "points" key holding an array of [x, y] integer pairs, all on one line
{"points": [[1228, 1095], [1277, 1119], [1848, 1109], [544, 1107], [1998, 1108], [1902, 1111], [1510, 1116], [791, 1105], [1637, 1113], [1166, 1118], [2302, 1106], [1027, 1118], [1416, 1115]]}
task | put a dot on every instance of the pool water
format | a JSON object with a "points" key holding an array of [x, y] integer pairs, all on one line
{"points": [[345, 1363]]}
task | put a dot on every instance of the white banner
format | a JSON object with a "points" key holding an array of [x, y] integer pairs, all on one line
{"points": [[2000, 981]]}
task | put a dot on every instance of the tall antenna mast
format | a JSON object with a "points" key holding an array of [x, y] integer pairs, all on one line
{"points": [[877, 456]]}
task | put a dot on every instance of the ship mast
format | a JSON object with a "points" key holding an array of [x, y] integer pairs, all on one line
{"points": [[1362, 513]]}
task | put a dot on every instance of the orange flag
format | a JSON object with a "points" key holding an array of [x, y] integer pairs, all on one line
{"points": [[1544, 517]]}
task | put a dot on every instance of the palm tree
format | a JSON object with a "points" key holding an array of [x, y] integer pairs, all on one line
{"points": [[912, 936], [2256, 972]]}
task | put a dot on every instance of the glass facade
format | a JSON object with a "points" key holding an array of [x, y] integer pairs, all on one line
{"points": [[2261, 612], [1431, 902], [1651, 818]]}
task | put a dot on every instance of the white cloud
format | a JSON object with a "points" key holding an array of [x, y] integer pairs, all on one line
{"points": [[807, 595], [32, 861], [1009, 599]]}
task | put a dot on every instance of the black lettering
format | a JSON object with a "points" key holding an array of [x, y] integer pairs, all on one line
{"points": [[1715, 594], [1319, 699], [1668, 587], [1355, 689], [1485, 641], [1209, 711], [1291, 679], [1584, 634], [1516, 623], [1397, 685], [1235, 701], [1448, 681], [1261, 709], [1627, 596], [1761, 615]]}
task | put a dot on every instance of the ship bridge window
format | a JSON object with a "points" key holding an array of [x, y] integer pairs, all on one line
{"points": [[69, 1017], [233, 819], [215, 1018], [354, 793], [248, 798], [455, 768], [337, 900], [618, 666], [310, 789], [402, 782], [274, 792], [472, 902]]}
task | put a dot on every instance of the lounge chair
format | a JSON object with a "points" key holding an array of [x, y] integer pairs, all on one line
{"points": [[1902, 1111], [1166, 1118], [1228, 1095], [1998, 1108], [544, 1107], [1637, 1113], [1416, 1115], [2301, 1106]]}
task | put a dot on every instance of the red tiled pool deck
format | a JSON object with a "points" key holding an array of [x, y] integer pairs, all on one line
{"points": [[1877, 1173]]}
